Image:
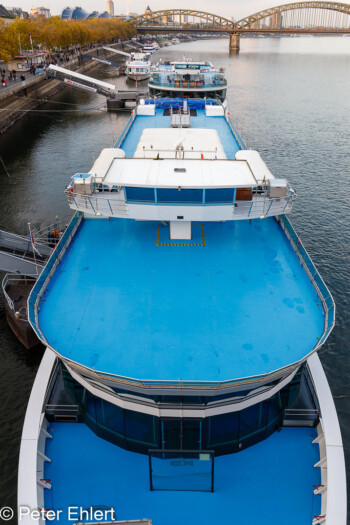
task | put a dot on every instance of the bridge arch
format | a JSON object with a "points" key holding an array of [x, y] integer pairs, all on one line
{"points": [[250, 21], [296, 17], [181, 16]]}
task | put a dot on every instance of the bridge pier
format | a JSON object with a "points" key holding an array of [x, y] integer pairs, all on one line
{"points": [[234, 42]]}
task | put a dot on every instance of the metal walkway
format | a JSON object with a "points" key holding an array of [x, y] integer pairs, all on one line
{"points": [[17, 254]]}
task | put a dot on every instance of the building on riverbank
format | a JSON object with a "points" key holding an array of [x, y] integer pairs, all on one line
{"points": [[40, 11], [5, 15], [110, 7], [27, 60], [77, 13]]}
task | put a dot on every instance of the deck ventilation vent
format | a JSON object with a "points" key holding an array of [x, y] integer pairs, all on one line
{"points": [[180, 120], [180, 170]]}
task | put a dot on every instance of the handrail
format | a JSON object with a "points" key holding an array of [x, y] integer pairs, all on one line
{"points": [[46, 274], [4, 284], [62, 408], [126, 129], [316, 279], [8, 279], [235, 132], [260, 205], [172, 84]]}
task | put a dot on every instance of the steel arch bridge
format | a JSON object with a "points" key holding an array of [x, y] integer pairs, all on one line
{"points": [[298, 17], [332, 7], [182, 15]]}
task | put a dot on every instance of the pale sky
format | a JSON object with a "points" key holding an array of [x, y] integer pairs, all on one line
{"points": [[236, 8]]}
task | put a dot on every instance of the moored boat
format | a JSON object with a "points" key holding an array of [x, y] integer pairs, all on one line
{"points": [[138, 66], [148, 48], [182, 317], [188, 78], [16, 290]]}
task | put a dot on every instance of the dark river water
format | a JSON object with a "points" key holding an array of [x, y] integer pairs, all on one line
{"points": [[289, 98]]}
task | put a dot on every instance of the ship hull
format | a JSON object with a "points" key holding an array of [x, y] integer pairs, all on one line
{"points": [[138, 78]]}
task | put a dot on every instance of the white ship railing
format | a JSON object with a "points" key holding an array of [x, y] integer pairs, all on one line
{"points": [[103, 203], [316, 279], [45, 276], [98, 204], [126, 129], [184, 84]]}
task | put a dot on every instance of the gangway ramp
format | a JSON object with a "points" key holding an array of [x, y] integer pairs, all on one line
{"points": [[18, 256], [78, 80], [105, 61], [116, 51], [116, 99]]}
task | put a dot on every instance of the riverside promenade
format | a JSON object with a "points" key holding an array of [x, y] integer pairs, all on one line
{"points": [[20, 97]]}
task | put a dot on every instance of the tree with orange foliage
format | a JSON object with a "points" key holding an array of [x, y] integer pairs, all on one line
{"points": [[54, 33]]}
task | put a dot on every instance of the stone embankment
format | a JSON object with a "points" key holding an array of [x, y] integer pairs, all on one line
{"points": [[19, 98]]}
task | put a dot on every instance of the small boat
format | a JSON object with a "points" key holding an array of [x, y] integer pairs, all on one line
{"points": [[16, 290], [175, 41], [148, 48], [138, 66], [25, 259]]}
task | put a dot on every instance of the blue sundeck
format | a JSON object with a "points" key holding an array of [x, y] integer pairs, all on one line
{"points": [[251, 487], [241, 305]]}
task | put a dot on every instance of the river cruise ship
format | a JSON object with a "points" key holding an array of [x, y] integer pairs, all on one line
{"points": [[188, 78], [182, 317], [138, 66]]}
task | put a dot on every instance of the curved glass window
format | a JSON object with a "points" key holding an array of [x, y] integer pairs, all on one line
{"points": [[224, 433]]}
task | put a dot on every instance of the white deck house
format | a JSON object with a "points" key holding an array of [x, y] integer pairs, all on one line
{"points": [[180, 174]]}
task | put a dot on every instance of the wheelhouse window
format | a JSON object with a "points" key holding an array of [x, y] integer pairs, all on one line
{"points": [[139, 194], [219, 195], [188, 196]]}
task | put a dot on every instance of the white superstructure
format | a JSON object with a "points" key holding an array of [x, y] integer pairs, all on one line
{"points": [[180, 159]]}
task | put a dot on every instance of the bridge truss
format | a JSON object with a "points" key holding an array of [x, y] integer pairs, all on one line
{"points": [[302, 17]]}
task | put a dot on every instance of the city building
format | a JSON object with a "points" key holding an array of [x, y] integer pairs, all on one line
{"points": [[148, 11], [5, 15], [17, 11], [77, 13], [110, 7], [40, 11]]}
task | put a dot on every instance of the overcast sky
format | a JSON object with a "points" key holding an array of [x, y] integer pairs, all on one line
{"points": [[236, 8]]}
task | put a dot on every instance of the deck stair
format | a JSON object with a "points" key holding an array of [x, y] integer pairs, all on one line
{"points": [[62, 413], [300, 417]]}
